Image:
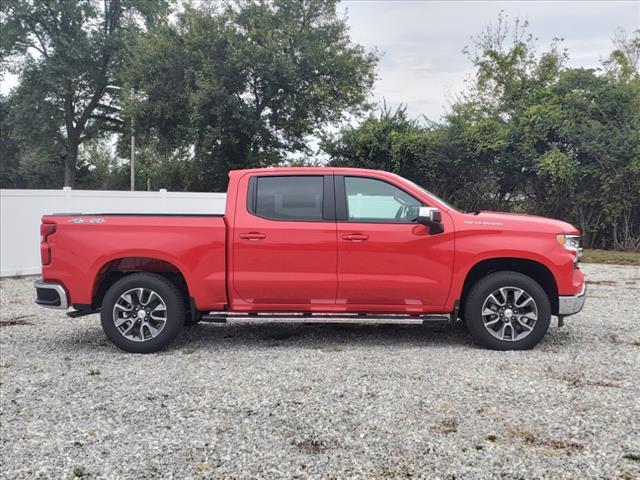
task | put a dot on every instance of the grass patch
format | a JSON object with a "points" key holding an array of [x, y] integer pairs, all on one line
{"points": [[611, 257], [78, 472]]}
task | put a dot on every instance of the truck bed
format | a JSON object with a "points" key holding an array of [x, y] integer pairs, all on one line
{"points": [[92, 245]]}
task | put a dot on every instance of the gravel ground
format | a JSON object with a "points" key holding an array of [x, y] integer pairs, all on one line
{"points": [[295, 401]]}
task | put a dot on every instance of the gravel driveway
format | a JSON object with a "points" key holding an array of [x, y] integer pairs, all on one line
{"points": [[295, 401]]}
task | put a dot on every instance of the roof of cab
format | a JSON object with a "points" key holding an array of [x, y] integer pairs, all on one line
{"points": [[293, 170]]}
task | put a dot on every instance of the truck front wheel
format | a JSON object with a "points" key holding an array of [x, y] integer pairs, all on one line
{"points": [[142, 312], [507, 311]]}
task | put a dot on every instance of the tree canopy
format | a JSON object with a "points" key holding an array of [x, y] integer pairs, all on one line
{"points": [[246, 84], [68, 55]]}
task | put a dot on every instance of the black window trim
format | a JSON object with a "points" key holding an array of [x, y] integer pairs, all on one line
{"points": [[342, 213], [328, 197]]}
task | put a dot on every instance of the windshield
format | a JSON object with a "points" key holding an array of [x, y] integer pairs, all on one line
{"points": [[446, 204]]}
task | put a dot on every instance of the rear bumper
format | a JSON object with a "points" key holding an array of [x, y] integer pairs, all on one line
{"points": [[51, 295], [572, 304]]}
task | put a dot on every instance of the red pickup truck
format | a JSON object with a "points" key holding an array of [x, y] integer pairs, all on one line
{"points": [[314, 245]]}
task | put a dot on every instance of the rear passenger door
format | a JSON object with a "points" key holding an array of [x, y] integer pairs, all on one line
{"points": [[285, 242]]}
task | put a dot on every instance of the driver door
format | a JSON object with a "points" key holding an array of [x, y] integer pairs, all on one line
{"points": [[386, 261]]}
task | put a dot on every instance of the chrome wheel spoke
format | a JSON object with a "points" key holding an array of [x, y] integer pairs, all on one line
{"points": [[495, 301], [159, 308], [159, 312], [517, 295], [525, 325], [527, 301], [152, 296], [502, 331], [505, 295], [129, 328], [121, 321], [154, 331], [491, 322]]}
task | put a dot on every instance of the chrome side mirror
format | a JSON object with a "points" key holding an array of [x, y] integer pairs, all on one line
{"points": [[432, 218], [428, 215]]}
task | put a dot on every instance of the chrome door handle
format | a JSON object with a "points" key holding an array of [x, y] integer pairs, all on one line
{"points": [[355, 237], [253, 236]]}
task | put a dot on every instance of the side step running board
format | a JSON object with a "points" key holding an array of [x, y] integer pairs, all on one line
{"points": [[82, 313], [223, 317]]}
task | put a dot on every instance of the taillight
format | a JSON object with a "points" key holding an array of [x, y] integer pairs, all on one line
{"points": [[46, 229]]}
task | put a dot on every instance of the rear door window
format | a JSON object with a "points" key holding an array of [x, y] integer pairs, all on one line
{"points": [[289, 198]]}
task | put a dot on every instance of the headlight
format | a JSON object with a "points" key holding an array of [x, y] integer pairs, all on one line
{"points": [[571, 242]]}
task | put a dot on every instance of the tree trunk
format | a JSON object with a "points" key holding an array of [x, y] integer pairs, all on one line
{"points": [[70, 161]]}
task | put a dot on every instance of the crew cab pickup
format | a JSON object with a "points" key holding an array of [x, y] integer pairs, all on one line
{"points": [[315, 245]]}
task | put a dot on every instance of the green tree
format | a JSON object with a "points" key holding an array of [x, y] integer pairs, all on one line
{"points": [[9, 148], [623, 63], [31, 153], [441, 158], [585, 138], [374, 143], [245, 84], [68, 54]]}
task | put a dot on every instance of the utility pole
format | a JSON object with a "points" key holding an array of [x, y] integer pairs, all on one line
{"points": [[133, 150]]}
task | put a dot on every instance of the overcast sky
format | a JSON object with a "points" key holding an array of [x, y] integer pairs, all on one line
{"points": [[421, 42]]}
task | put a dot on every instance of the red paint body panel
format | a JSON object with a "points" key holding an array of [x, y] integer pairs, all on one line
{"points": [[399, 265], [194, 245], [243, 262]]}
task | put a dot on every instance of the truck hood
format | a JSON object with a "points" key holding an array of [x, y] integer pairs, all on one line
{"points": [[520, 221]]}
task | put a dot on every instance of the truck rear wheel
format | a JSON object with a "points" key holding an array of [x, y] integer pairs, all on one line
{"points": [[507, 311], [142, 312]]}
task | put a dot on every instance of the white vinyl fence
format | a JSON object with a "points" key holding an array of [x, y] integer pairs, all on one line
{"points": [[21, 211]]}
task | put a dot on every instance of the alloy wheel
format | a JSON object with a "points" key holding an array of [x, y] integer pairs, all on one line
{"points": [[140, 314], [509, 313]]}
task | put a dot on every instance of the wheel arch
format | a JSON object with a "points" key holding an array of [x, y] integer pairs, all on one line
{"points": [[536, 270], [114, 269]]}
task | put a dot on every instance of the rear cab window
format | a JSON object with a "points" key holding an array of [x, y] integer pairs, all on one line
{"points": [[291, 197]]}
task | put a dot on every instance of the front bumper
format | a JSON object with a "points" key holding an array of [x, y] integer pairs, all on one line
{"points": [[51, 295], [572, 304]]}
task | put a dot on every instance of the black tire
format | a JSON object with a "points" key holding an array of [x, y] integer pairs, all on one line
{"points": [[170, 295], [481, 291]]}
